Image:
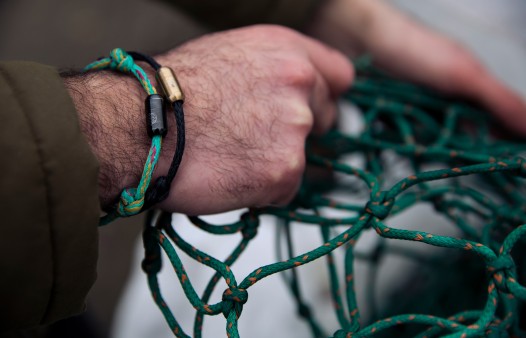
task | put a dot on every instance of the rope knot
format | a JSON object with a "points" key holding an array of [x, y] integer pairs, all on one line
{"points": [[233, 299], [129, 204], [501, 263], [251, 222], [498, 267], [121, 61], [379, 207]]}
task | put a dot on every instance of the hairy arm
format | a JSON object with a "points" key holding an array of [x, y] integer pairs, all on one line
{"points": [[110, 108], [249, 108]]}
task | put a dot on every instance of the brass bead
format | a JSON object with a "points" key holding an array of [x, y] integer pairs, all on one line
{"points": [[171, 88]]}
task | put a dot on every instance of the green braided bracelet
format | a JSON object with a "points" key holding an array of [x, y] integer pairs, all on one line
{"points": [[131, 200]]}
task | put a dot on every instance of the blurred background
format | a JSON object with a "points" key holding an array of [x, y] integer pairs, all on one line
{"points": [[71, 33]]}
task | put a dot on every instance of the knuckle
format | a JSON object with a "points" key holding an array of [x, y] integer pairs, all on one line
{"points": [[299, 73], [286, 176], [296, 163], [290, 167], [300, 117], [305, 121]]}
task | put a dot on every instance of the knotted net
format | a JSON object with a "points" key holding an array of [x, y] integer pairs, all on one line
{"points": [[456, 162]]}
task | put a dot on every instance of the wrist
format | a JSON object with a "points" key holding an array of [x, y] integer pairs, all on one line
{"points": [[111, 117]]}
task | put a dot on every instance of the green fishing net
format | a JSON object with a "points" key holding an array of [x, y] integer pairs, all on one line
{"points": [[455, 159]]}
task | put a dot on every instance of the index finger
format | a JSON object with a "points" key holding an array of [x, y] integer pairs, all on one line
{"points": [[334, 67]]}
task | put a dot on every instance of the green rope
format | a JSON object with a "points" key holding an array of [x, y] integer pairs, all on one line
{"points": [[472, 178], [131, 200]]}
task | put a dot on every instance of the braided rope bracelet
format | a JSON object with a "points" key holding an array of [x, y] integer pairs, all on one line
{"points": [[134, 200], [173, 93]]}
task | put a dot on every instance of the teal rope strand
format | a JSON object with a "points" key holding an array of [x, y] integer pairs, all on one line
{"points": [[131, 200]]}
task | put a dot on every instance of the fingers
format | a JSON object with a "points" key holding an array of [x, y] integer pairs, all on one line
{"points": [[333, 74], [311, 104], [323, 106], [319, 73], [310, 93], [469, 78], [452, 69], [433, 60], [334, 67]]}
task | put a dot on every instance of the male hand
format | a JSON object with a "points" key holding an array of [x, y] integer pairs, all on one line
{"points": [[414, 52], [252, 97]]}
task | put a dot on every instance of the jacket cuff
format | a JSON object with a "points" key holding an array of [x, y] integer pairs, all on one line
{"points": [[235, 13], [49, 197]]}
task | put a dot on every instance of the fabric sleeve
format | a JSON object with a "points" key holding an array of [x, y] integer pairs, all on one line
{"points": [[48, 200], [234, 13]]}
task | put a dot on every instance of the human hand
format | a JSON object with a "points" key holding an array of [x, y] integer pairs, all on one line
{"points": [[252, 97], [412, 51]]}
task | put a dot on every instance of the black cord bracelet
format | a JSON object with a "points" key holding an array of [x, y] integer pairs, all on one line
{"points": [[160, 189]]}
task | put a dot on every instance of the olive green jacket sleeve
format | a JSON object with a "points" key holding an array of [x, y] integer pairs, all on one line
{"points": [[48, 200], [234, 13]]}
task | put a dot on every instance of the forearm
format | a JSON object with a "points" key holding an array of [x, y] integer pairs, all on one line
{"points": [[242, 149], [110, 110]]}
